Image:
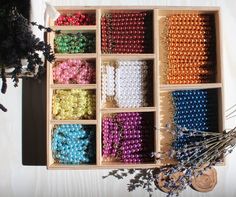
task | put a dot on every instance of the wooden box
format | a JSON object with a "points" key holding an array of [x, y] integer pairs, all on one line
{"points": [[160, 88]]}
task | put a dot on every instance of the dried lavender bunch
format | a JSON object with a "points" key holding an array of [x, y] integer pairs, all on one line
{"points": [[194, 152], [18, 42], [192, 147], [148, 178], [175, 178]]}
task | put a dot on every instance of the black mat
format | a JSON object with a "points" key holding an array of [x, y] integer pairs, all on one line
{"points": [[34, 122]]}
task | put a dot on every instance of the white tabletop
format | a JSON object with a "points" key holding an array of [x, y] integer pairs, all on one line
{"points": [[28, 181]]}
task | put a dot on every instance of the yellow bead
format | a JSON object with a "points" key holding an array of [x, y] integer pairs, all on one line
{"points": [[73, 104]]}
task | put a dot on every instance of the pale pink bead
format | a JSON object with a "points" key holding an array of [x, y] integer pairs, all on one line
{"points": [[69, 73], [74, 73], [63, 65], [78, 62], [70, 61], [60, 80], [66, 78], [58, 73], [58, 68], [70, 76], [66, 72]]}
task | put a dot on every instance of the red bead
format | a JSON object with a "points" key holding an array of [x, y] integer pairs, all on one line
{"points": [[114, 15], [76, 19]]}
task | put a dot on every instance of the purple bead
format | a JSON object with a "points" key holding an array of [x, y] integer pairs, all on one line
{"points": [[105, 126]]}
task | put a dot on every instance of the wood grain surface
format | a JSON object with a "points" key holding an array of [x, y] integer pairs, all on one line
{"points": [[19, 146]]}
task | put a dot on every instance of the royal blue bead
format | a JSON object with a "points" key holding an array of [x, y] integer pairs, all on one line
{"points": [[192, 108]]}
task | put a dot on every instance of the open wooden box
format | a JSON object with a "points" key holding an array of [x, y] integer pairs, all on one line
{"points": [[159, 88]]}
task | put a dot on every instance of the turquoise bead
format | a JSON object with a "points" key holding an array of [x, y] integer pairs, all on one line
{"points": [[71, 144]]}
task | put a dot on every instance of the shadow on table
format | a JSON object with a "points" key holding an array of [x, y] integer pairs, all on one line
{"points": [[34, 122]]}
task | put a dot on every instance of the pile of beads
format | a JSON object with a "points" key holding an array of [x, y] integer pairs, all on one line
{"points": [[71, 104], [77, 18], [132, 84], [127, 32], [191, 53], [196, 109], [74, 71], [127, 83], [127, 137], [73, 144], [75, 43]]}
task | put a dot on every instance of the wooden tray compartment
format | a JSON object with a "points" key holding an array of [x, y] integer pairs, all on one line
{"points": [[61, 97], [120, 67], [125, 31], [71, 13], [167, 111], [147, 136], [160, 139], [87, 33], [54, 163], [167, 108], [80, 71], [214, 71]]}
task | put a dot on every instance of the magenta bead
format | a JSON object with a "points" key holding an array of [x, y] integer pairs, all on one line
{"points": [[126, 137]]}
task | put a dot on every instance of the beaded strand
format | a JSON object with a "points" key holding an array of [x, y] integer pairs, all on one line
{"points": [[127, 32], [190, 44], [127, 137], [195, 109]]}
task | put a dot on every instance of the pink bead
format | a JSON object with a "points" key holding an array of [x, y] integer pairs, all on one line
{"points": [[74, 70]]}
